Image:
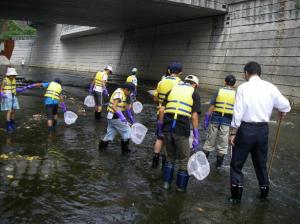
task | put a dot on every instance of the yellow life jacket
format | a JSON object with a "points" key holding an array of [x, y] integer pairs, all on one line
{"points": [[53, 91], [99, 79], [165, 86], [120, 106], [225, 101], [180, 100], [132, 79], [10, 86]]}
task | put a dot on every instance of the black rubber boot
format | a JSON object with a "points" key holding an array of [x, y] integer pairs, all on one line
{"points": [[51, 129], [13, 124], [163, 161], [206, 153], [124, 145], [54, 123], [236, 194], [97, 115], [155, 160], [220, 159], [103, 144], [264, 191], [9, 128]]}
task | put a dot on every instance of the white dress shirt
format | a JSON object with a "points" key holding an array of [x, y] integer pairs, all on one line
{"points": [[255, 101]]}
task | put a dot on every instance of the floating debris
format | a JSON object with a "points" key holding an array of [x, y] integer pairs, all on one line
{"points": [[200, 210], [37, 117], [19, 157], [3, 156], [9, 168], [10, 176]]}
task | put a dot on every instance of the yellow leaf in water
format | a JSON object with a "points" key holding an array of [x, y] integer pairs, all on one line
{"points": [[30, 158], [3, 156], [10, 176]]}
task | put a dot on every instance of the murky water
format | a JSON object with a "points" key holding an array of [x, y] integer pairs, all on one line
{"points": [[63, 178]]}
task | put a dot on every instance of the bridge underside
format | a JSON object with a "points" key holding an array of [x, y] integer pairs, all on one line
{"points": [[109, 14]]}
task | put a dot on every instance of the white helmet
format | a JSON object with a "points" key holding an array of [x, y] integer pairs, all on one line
{"points": [[108, 68], [134, 70], [192, 78], [11, 71]]}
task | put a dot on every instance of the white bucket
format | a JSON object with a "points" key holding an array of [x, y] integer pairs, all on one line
{"points": [[70, 117], [138, 133], [89, 101], [198, 166], [137, 107]]}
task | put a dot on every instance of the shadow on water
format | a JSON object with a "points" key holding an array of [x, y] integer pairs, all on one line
{"points": [[63, 178]]}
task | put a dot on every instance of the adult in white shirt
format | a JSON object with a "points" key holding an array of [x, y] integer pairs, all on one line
{"points": [[253, 106]]}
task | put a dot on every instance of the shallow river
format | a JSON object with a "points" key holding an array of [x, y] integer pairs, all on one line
{"points": [[63, 178]]}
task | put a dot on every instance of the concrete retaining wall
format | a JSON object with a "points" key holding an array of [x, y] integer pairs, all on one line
{"points": [[89, 53], [265, 31], [22, 51]]}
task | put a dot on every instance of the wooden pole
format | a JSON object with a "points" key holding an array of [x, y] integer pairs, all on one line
{"points": [[275, 145]]}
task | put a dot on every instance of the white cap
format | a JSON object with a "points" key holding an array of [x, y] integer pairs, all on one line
{"points": [[11, 71], [192, 78], [108, 68], [134, 70]]}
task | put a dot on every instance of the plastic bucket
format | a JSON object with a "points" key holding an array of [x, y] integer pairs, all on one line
{"points": [[89, 101], [198, 166], [137, 107], [70, 117], [138, 133]]}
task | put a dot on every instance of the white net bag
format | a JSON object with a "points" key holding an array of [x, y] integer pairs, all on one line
{"points": [[198, 166], [70, 117], [137, 107], [138, 133], [89, 101]]}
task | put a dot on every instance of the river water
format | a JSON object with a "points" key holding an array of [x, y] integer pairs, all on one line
{"points": [[63, 178]]}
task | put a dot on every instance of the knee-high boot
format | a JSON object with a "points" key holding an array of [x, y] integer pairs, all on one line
{"points": [[124, 145], [236, 193], [168, 175], [182, 180]]}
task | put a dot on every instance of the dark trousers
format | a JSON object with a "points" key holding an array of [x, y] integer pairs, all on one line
{"points": [[177, 147], [251, 138]]}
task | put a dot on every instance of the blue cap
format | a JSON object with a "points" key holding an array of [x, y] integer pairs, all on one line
{"points": [[129, 86], [58, 80], [176, 67]]}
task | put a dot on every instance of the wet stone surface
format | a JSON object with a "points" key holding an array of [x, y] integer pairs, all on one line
{"points": [[63, 178]]}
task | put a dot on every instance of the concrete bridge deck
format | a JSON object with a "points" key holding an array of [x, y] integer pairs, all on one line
{"points": [[110, 14]]}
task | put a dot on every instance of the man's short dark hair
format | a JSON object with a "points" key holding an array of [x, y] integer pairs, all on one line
{"points": [[252, 68], [230, 80]]}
